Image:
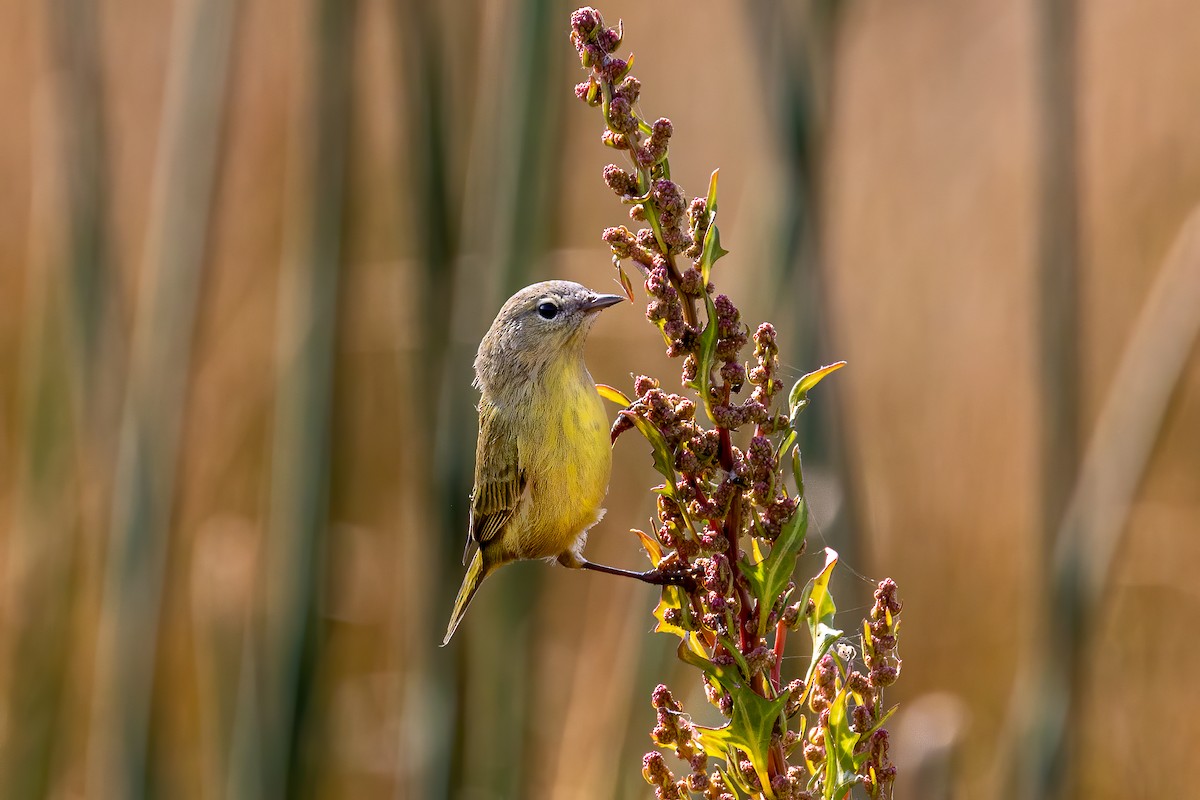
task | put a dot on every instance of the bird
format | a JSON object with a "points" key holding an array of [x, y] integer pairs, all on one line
{"points": [[543, 457]]}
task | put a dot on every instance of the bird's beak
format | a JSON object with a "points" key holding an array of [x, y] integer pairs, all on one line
{"points": [[599, 301]]}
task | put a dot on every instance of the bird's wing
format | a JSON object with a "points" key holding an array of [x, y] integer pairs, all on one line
{"points": [[499, 479]]}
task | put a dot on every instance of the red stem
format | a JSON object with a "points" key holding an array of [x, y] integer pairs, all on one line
{"points": [[731, 537], [780, 641]]}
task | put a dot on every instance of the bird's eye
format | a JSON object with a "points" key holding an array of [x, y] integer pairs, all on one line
{"points": [[547, 310]]}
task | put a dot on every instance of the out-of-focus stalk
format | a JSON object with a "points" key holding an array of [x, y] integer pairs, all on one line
{"points": [[66, 395], [1058, 258], [1096, 515], [424, 748], [503, 222], [301, 451], [92, 291], [1046, 758], [148, 451]]}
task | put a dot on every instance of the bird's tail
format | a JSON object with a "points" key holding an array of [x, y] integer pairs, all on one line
{"points": [[474, 577]]}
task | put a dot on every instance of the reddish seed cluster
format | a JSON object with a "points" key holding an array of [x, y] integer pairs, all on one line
{"points": [[716, 493], [791, 786], [883, 664], [674, 730], [880, 653], [762, 375], [698, 221]]}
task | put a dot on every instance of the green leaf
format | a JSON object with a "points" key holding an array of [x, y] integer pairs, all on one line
{"points": [[712, 249], [770, 575], [798, 397], [664, 460], [749, 729], [787, 442], [753, 718], [820, 621], [651, 212], [704, 356], [824, 638], [734, 780], [841, 763], [797, 472], [710, 201], [823, 606], [692, 652], [743, 667], [878, 724]]}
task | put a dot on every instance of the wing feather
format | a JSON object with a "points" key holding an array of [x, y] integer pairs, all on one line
{"points": [[499, 479]]}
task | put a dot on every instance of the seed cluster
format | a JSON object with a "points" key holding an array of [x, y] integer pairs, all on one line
{"points": [[716, 494]]}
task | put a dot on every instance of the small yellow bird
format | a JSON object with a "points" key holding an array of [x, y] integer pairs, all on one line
{"points": [[543, 458]]}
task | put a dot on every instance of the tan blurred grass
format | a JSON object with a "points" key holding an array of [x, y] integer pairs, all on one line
{"points": [[929, 225]]}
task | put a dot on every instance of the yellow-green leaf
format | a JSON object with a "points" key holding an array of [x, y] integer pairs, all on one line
{"points": [[711, 250], [612, 394], [798, 397], [770, 575], [710, 202], [672, 597], [820, 621], [651, 545], [797, 472], [704, 356]]}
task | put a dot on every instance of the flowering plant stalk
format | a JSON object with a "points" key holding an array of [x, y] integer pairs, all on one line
{"points": [[729, 528]]}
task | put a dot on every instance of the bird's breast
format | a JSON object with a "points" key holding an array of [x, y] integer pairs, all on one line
{"points": [[569, 460]]}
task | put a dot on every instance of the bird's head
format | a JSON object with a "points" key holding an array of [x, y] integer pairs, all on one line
{"points": [[537, 325]]}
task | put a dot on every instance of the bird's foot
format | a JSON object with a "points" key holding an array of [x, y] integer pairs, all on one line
{"points": [[685, 578]]}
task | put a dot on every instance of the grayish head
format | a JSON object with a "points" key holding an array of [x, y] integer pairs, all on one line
{"points": [[538, 324]]}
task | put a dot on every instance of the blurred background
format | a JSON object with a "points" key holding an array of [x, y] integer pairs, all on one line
{"points": [[247, 250]]}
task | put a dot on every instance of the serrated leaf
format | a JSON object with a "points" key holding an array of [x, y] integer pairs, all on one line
{"points": [[664, 460], [749, 728], [770, 575], [612, 394], [798, 396], [753, 717]]}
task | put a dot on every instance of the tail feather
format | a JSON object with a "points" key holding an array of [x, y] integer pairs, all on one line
{"points": [[471, 582]]}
